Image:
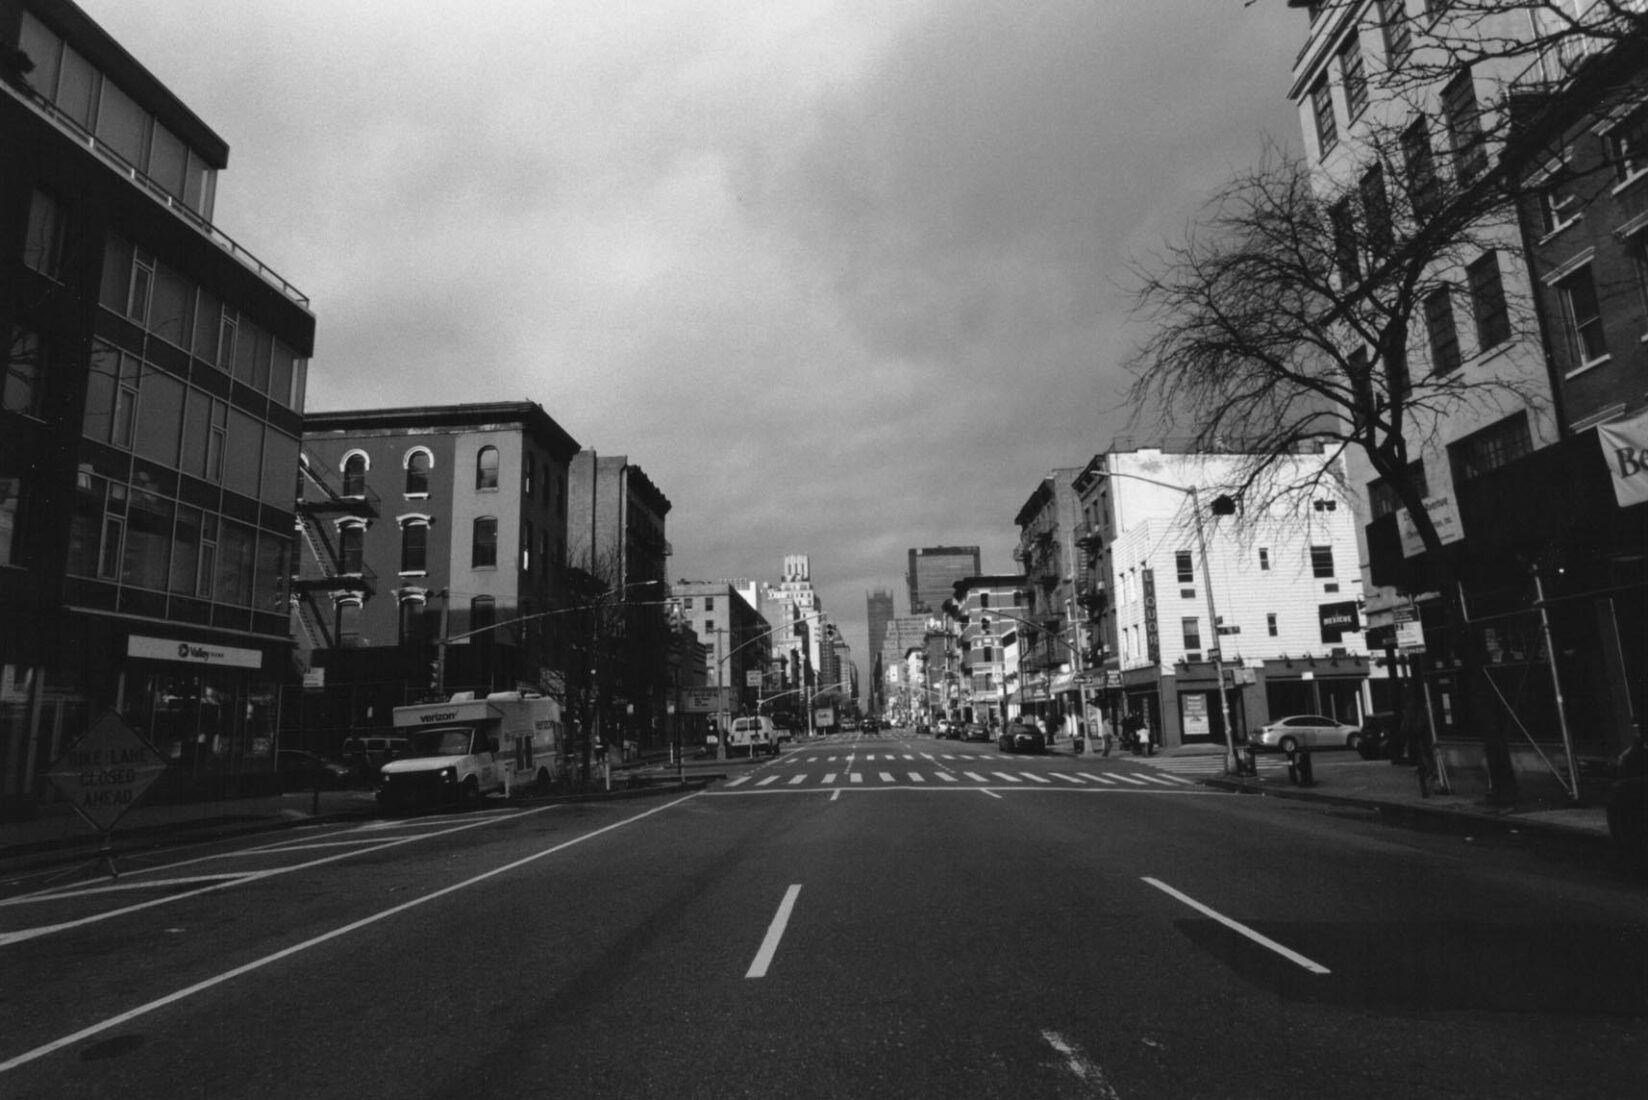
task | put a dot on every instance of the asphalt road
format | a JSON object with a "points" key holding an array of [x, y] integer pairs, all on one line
{"points": [[1061, 927]]}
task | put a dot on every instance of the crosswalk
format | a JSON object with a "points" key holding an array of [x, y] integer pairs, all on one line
{"points": [[885, 770]]}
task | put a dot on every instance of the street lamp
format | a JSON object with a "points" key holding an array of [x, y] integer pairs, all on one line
{"points": [[1232, 764]]}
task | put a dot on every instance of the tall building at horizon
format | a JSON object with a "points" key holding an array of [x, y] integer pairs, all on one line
{"points": [[879, 610], [934, 571]]}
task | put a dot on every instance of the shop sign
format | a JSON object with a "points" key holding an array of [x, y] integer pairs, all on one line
{"points": [[106, 771], [1625, 448], [1112, 679], [1444, 515], [1338, 619], [196, 653], [1152, 639], [1195, 715], [696, 700]]}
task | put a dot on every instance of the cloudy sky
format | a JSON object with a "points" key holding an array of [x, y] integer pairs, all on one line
{"points": [[843, 276]]}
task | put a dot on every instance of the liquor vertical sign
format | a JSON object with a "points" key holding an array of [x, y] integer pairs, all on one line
{"points": [[106, 771]]}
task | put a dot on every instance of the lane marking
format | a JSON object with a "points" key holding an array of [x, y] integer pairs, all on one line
{"points": [[917, 777], [1009, 778], [1066, 777], [1158, 779], [740, 779], [856, 777], [948, 778], [829, 777], [800, 778], [991, 793], [297, 948], [976, 777], [775, 932], [1084, 1068], [764, 782], [1237, 926], [1097, 778], [887, 777], [1037, 778], [1130, 779]]}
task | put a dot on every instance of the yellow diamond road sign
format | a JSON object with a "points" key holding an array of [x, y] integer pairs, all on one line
{"points": [[106, 771]]}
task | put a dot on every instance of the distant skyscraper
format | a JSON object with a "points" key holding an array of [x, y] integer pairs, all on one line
{"points": [[880, 607], [934, 570]]}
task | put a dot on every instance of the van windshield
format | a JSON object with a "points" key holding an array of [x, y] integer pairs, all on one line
{"points": [[442, 742]]}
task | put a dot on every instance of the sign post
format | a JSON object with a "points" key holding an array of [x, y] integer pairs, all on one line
{"points": [[104, 773]]}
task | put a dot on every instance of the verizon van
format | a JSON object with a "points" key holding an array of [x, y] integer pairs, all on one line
{"points": [[756, 735], [465, 748]]}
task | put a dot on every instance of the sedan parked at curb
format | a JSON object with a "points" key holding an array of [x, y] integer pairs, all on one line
{"points": [[1306, 731]]}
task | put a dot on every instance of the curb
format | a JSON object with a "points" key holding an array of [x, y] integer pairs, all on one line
{"points": [[1498, 823]]}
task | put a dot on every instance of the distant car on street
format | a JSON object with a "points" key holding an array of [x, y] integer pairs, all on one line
{"points": [[871, 726], [1019, 737], [1306, 731], [975, 731]]}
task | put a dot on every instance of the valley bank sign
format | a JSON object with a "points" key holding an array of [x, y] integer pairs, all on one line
{"points": [[194, 653]]}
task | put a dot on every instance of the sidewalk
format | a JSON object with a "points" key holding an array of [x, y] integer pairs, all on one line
{"points": [[59, 836], [1346, 779]]}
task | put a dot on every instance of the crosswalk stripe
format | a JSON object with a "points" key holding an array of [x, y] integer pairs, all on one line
{"points": [[856, 777], [907, 756], [887, 777], [797, 779], [1097, 778], [1066, 778], [948, 778], [740, 779], [829, 777], [769, 779], [1182, 779], [1037, 778], [976, 777], [1009, 778], [946, 756], [917, 777], [1133, 780]]}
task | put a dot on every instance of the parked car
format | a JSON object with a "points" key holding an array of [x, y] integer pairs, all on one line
{"points": [[870, 725], [1020, 737], [923, 730], [1627, 807], [973, 731], [942, 730], [1306, 731], [299, 770]]}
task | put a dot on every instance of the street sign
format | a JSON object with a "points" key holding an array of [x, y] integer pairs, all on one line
{"points": [[695, 700], [106, 771]]}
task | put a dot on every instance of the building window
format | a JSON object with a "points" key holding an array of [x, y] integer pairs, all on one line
{"points": [[1321, 561], [11, 507], [1636, 247], [1264, 559], [1582, 318], [1270, 624], [1394, 28], [22, 392], [1185, 566], [1192, 633], [412, 620], [1493, 319], [1441, 332], [483, 613], [486, 468], [349, 623], [1464, 121], [1354, 77], [1321, 105], [137, 293], [354, 475], [43, 247], [709, 603], [415, 545], [1382, 498], [483, 553], [1324, 505], [531, 476], [1492, 447], [1419, 162], [1380, 232], [351, 548], [417, 473], [208, 556], [526, 546], [1628, 145], [1558, 201], [1342, 220]]}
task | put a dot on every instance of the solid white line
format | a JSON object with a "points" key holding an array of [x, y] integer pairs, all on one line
{"points": [[775, 932], [1238, 926], [257, 964]]}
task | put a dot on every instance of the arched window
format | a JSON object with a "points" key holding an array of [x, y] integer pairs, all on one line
{"points": [[349, 623], [415, 545], [484, 547], [354, 475], [417, 473], [486, 468], [351, 547]]}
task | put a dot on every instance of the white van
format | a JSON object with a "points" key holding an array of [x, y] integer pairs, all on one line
{"points": [[753, 735], [463, 749]]}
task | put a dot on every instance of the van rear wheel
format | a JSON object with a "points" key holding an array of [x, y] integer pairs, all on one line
{"points": [[469, 795]]}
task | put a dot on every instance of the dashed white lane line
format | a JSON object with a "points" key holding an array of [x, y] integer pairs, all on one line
{"points": [[775, 932], [1237, 926]]}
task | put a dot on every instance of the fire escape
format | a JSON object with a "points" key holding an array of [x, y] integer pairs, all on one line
{"points": [[326, 569]]}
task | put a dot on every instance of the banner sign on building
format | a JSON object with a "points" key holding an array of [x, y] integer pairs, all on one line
{"points": [[196, 653], [1338, 619], [1152, 639], [1625, 446]]}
